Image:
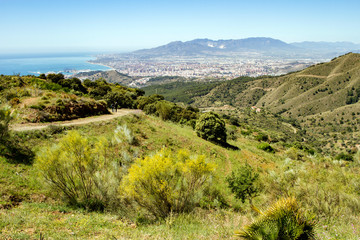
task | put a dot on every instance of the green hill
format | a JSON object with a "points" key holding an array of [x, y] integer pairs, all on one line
{"points": [[111, 76], [184, 92]]}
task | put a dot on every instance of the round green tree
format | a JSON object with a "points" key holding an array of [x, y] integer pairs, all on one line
{"points": [[211, 127]]}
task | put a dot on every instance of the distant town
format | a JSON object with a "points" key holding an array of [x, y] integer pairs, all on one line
{"points": [[202, 68]]}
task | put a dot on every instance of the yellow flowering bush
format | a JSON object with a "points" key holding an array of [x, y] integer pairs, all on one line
{"points": [[84, 172], [168, 182]]}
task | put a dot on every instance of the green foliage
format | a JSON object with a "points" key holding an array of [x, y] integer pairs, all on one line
{"points": [[345, 156], [6, 115], [55, 78], [100, 89], [11, 147], [353, 96], [262, 137], [167, 182], [284, 220], [181, 91], [143, 100], [266, 147], [155, 105], [211, 127], [73, 83], [234, 121], [243, 182], [119, 99], [85, 173]]}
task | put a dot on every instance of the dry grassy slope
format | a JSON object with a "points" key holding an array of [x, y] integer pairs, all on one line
{"points": [[237, 92], [320, 88]]}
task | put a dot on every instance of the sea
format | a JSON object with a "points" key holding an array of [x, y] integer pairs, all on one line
{"points": [[35, 64]]}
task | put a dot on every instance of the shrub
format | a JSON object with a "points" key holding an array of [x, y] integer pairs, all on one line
{"points": [[122, 133], [24, 93], [295, 153], [10, 94], [119, 100], [243, 182], [165, 110], [83, 172], [232, 133], [6, 115], [38, 107], [345, 156], [11, 147], [262, 137], [234, 121], [283, 220], [266, 147], [168, 182], [14, 101], [143, 101], [211, 127]]}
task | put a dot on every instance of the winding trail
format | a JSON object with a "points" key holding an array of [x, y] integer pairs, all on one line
{"points": [[79, 121]]}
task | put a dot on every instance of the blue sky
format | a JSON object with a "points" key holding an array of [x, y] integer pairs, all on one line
{"points": [[109, 25]]}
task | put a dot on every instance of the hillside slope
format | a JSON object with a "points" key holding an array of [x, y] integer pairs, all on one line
{"points": [[111, 76], [319, 88], [324, 98]]}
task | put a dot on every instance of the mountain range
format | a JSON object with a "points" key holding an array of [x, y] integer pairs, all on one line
{"points": [[251, 47]]}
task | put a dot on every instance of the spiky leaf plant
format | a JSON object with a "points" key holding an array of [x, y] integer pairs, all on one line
{"points": [[282, 221]]}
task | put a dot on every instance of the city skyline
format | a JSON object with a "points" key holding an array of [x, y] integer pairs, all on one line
{"points": [[74, 26]]}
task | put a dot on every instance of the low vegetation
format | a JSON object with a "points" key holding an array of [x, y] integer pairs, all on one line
{"points": [[283, 220], [167, 182]]}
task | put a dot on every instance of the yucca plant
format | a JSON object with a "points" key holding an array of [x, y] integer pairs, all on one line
{"points": [[282, 221]]}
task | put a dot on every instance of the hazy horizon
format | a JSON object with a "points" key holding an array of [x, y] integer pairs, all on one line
{"points": [[81, 52]]}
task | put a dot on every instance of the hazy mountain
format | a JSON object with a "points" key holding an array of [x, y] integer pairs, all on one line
{"points": [[328, 46], [256, 47], [211, 47]]}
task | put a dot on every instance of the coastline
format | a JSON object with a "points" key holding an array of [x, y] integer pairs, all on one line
{"points": [[100, 64], [67, 65]]}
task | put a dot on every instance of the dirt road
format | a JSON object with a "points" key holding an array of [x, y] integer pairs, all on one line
{"points": [[79, 121]]}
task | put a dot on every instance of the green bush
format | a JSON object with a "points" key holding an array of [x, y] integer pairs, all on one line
{"points": [[10, 146], [143, 101], [119, 99], [295, 154], [243, 182], [168, 182], [211, 127], [6, 115], [262, 137], [345, 156], [232, 133], [84, 173], [284, 220], [266, 147], [38, 107], [234, 121]]}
